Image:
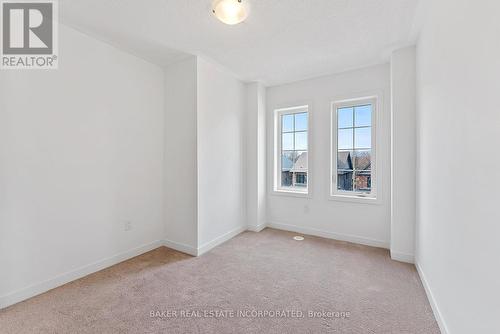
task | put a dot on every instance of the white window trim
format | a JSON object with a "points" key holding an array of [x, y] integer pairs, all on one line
{"points": [[276, 182], [348, 196]]}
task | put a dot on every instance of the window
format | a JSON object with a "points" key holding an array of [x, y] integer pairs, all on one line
{"points": [[291, 160], [353, 148]]}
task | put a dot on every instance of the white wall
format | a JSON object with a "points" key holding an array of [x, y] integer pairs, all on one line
{"points": [[458, 229], [358, 222], [256, 156], [221, 153], [181, 182], [403, 153], [80, 153]]}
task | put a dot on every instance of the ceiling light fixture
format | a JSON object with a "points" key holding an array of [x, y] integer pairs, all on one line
{"points": [[230, 11]]}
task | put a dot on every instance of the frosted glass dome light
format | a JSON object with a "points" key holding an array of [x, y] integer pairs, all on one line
{"points": [[230, 11]]}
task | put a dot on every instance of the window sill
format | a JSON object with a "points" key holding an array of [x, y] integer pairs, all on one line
{"points": [[355, 199], [291, 193]]}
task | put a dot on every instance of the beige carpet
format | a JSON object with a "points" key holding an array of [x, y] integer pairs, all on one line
{"points": [[257, 282]]}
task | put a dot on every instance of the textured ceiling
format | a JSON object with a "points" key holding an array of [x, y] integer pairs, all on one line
{"points": [[281, 41]]}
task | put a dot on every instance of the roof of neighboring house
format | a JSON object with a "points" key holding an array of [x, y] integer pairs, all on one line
{"points": [[363, 160], [344, 160], [301, 163]]}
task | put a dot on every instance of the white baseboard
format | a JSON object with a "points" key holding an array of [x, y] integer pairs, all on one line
{"points": [[256, 228], [197, 251], [219, 240], [183, 248], [402, 257], [330, 235], [432, 301], [38, 288]]}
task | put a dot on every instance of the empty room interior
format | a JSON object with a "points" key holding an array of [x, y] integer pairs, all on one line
{"points": [[249, 166]]}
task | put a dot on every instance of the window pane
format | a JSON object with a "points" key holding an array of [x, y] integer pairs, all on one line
{"points": [[301, 140], [363, 181], [363, 115], [301, 122], [301, 179], [287, 142], [294, 169], [362, 160], [363, 138], [344, 180], [300, 162], [286, 179], [287, 123], [344, 117], [287, 160], [345, 139], [344, 160]]}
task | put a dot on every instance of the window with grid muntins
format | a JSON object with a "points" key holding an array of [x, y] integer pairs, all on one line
{"points": [[292, 173], [354, 148]]}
